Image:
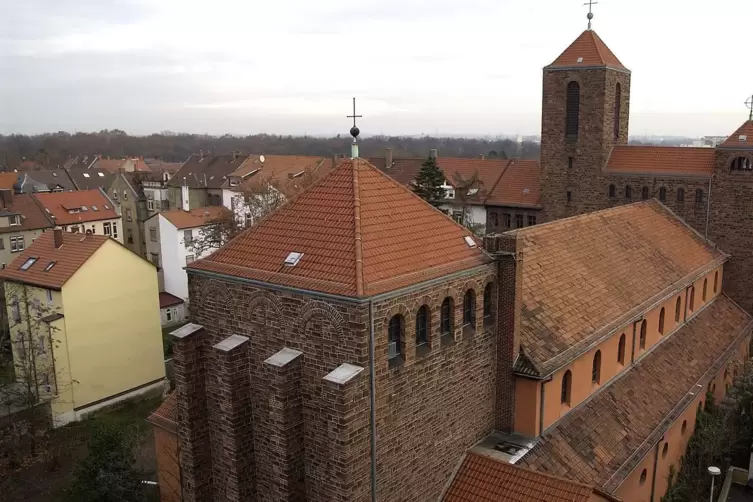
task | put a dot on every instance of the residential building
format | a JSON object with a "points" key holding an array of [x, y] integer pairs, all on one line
{"points": [[90, 344], [199, 181], [22, 220], [154, 186], [113, 166], [132, 205], [172, 310], [85, 211], [87, 179], [44, 180], [170, 244], [81, 162]]}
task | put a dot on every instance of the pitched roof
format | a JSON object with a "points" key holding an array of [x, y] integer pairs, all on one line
{"points": [[286, 169], [8, 180], [206, 171], [484, 479], [742, 138], [519, 185], [661, 160], [403, 170], [86, 179], [110, 165], [588, 50], [32, 214], [360, 233], [44, 180], [197, 217], [67, 208], [166, 416], [602, 440], [75, 251], [582, 275], [80, 162], [168, 300]]}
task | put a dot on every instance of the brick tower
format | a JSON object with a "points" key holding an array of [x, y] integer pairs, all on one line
{"points": [[585, 109]]}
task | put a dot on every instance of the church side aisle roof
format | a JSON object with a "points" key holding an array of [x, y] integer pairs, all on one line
{"points": [[661, 160]]}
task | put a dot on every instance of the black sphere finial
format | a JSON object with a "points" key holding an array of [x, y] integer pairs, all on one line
{"points": [[354, 131]]}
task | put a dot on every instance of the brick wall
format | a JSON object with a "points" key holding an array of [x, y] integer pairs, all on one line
{"points": [[498, 217]]}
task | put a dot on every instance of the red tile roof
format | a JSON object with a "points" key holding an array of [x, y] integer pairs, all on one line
{"points": [[582, 275], [168, 300], [587, 50], [75, 251], [484, 479], [58, 205], [661, 160], [287, 170], [197, 217], [32, 215], [166, 416], [519, 185], [7, 180], [742, 138], [602, 440], [110, 165], [361, 233]]}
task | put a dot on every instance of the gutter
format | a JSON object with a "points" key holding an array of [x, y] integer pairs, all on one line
{"points": [[653, 475], [372, 403]]}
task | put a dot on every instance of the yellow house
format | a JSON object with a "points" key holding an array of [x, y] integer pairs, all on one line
{"points": [[85, 322]]}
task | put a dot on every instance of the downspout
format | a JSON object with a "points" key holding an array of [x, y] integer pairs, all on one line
{"points": [[708, 210], [685, 307], [632, 344], [52, 357], [653, 475], [541, 409], [372, 396]]}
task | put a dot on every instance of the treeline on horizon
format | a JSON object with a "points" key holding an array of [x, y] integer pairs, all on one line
{"points": [[53, 149]]}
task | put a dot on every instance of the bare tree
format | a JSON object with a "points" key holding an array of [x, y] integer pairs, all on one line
{"points": [[468, 190]]}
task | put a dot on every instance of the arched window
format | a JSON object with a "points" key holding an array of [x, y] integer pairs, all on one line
{"points": [[573, 110], [691, 303], [716, 280], [698, 196], [644, 193], [642, 339], [661, 321], [596, 368], [445, 317], [678, 305], [684, 427], [395, 332], [422, 325], [680, 195], [644, 475], [617, 109], [665, 450], [703, 291], [612, 191], [469, 309], [628, 192], [567, 382], [621, 350], [488, 302], [741, 164], [662, 194]]}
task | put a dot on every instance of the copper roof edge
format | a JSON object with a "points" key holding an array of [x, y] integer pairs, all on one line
{"points": [[357, 232]]}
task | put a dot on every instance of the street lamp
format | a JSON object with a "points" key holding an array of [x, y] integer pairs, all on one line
{"points": [[714, 471]]}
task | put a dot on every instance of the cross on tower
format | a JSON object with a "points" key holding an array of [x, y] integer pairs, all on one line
{"points": [[354, 117], [749, 104], [590, 16]]}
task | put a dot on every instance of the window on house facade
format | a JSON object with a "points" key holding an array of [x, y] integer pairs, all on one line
{"points": [[507, 219], [741, 164], [566, 388], [469, 309], [129, 233], [518, 221], [617, 110], [596, 368], [168, 315], [572, 113], [150, 204], [691, 303], [41, 346], [661, 321], [17, 244], [644, 475], [678, 305], [642, 341], [703, 292], [129, 216], [570, 162], [125, 195], [114, 230], [494, 217], [698, 196], [621, 350], [2, 243], [422, 325], [187, 238], [107, 228], [644, 193], [446, 316], [155, 258], [716, 278], [14, 220], [612, 191], [488, 302], [152, 234], [15, 309], [531, 220], [569, 196], [662, 194], [628, 192], [680, 195], [395, 337], [189, 258], [458, 216], [49, 292]]}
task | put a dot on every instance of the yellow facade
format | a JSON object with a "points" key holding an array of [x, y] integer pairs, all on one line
{"points": [[108, 344]]}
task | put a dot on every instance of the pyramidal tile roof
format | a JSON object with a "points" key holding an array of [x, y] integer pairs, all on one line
{"points": [[588, 50], [358, 233], [742, 138]]}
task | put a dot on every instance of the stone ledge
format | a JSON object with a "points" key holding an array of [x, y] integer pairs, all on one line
{"points": [[187, 330], [231, 342], [282, 357], [343, 373]]}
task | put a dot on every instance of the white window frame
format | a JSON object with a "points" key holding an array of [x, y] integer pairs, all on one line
{"points": [[153, 234], [193, 258], [150, 204], [49, 296], [17, 244], [107, 228], [188, 237], [168, 314], [114, 229], [14, 220]]}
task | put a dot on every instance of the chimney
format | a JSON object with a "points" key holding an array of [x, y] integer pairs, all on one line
{"points": [[235, 155], [433, 153], [335, 160], [6, 196], [387, 158], [57, 237], [482, 156]]}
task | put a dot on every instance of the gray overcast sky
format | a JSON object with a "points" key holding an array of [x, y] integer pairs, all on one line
{"points": [[416, 66]]}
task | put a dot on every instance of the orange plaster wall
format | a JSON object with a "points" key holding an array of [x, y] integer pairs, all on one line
{"points": [[527, 406], [166, 449]]}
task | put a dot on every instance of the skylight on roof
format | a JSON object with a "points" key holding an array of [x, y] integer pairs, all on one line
{"points": [[29, 262], [54, 175], [94, 208], [580, 60], [743, 137], [293, 259], [49, 266], [101, 175], [86, 175], [526, 190], [107, 207], [470, 241], [84, 208], [473, 191]]}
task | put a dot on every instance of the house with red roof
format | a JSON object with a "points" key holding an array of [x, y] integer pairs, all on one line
{"points": [[84, 211]]}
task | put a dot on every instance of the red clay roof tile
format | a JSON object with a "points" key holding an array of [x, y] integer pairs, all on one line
{"points": [[166, 416], [742, 138], [197, 217], [580, 274], [58, 204], [7, 180], [601, 441], [32, 214], [484, 479], [168, 300], [360, 232], [661, 160], [587, 50], [519, 185]]}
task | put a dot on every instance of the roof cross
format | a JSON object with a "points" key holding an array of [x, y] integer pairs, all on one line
{"points": [[749, 104], [354, 131], [590, 16]]}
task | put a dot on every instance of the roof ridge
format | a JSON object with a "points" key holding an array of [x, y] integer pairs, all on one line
{"points": [[595, 38], [357, 230], [499, 178]]}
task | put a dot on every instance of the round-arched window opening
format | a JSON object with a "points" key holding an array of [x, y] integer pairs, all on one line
{"points": [[665, 450], [684, 427], [741, 164], [644, 475]]}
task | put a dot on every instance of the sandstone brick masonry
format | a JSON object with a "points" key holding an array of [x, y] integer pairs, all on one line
{"points": [[309, 438]]}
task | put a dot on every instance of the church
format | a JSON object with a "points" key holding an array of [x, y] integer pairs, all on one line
{"points": [[359, 345]]}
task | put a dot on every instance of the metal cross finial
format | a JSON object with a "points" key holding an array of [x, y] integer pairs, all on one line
{"points": [[590, 16], [354, 116], [749, 104]]}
